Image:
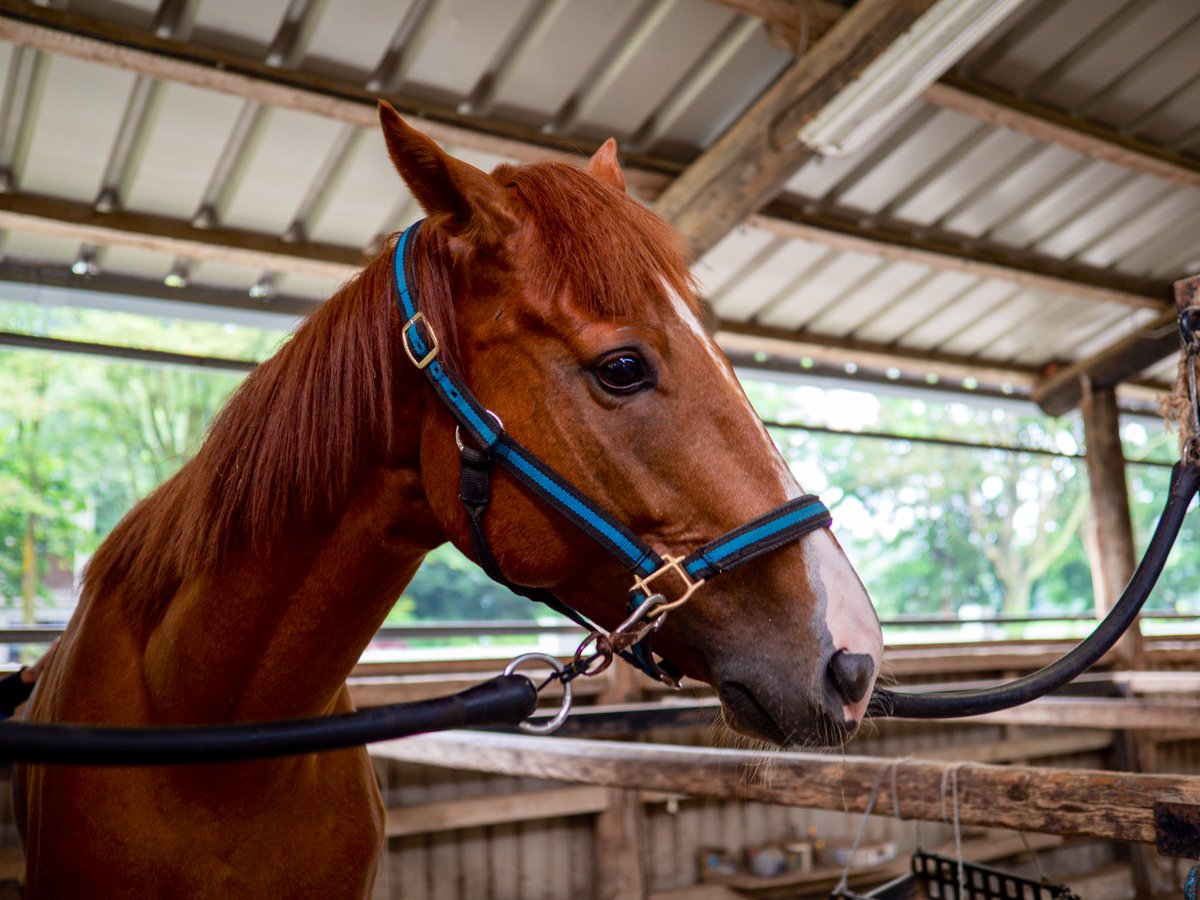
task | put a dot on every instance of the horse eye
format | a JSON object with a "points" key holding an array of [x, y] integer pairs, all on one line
{"points": [[622, 372]]}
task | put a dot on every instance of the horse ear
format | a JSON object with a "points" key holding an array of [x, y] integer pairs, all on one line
{"points": [[603, 165], [477, 207]]}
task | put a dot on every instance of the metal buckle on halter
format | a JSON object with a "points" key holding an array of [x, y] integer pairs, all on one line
{"points": [[431, 353], [670, 564]]}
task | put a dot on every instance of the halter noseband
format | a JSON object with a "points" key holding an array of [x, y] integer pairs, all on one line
{"points": [[653, 574]]}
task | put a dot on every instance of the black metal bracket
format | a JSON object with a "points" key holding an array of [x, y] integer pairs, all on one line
{"points": [[1177, 829]]}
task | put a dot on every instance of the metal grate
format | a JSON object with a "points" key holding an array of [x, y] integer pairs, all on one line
{"points": [[940, 876], [936, 878]]}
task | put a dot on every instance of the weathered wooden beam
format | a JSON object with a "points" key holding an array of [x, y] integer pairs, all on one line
{"points": [[794, 25], [735, 337], [750, 162], [162, 234], [1051, 126], [1109, 805], [95, 40], [1060, 391], [1028, 270], [495, 809]]}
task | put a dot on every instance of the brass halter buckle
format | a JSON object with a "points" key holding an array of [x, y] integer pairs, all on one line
{"points": [[431, 353], [670, 564]]}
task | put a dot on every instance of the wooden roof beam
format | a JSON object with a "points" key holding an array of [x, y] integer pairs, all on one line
{"points": [[741, 337], [751, 161], [1051, 126], [998, 107], [1060, 391], [161, 234], [984, 261]]}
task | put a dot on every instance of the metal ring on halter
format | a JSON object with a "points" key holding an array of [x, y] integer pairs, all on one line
{"points": [[564, 708], [603, 655], [458, 429]]}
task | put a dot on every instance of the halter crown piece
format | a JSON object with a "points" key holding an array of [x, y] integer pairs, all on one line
{"points": [[653, 575]]}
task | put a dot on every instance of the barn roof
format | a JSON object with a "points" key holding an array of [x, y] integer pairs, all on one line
{"points": [[1015, 223]]}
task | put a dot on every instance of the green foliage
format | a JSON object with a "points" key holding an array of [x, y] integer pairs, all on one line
{"points": [[449, 587], [934, 530], [940, 530]]}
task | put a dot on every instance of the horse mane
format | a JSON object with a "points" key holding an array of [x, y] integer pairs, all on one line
{"points": [[290, 444], [303, 429]]}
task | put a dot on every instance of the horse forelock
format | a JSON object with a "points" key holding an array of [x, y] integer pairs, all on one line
{"points": [[289, 446], [598, 246]]}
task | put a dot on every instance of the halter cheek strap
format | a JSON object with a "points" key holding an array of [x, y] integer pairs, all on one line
{"points": [[669, 581]]}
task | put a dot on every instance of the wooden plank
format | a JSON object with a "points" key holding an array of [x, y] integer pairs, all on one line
{"points": [[1109, 805], [1029, 270], [368, 691], [1001, 109], [1060, 390], [1024, 748], [175, 237], [524, 806], [1102, 712], [750, 162]]}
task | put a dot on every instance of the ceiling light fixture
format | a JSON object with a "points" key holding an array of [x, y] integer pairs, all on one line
{"points": [[918, 58], [85, 264], [177, 277]]}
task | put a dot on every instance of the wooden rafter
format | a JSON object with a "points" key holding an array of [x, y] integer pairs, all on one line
{"points": [[985, 261], [751, 161], [162, 234], [740, 336], [1060, 391], [1051, 126]]}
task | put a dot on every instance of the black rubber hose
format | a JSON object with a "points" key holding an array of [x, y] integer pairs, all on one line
{"points": [[1185, 481], [504, 700]]}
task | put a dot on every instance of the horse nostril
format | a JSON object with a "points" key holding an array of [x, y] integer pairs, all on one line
{"points": [[851, 674]]}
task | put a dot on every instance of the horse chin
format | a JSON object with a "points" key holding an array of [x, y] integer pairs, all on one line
{"points": [[814, 728]]}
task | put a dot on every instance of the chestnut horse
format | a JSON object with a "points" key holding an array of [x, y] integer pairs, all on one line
{"points": [[247, 585]]}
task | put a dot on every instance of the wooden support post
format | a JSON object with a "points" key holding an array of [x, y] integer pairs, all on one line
{"points": [[1113, 561], [1111, 543], [619, 847]]}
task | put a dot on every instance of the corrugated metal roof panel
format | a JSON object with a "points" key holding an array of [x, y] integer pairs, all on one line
{"points": [[187, 133]]}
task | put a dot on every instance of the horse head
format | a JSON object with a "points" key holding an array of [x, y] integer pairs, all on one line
{"points": [[568, 310]]}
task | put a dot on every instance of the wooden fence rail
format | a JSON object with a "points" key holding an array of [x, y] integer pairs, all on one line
{"points": [[1109, 805]]}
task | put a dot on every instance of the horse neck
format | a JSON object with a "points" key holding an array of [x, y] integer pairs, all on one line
{"points": [[278, 624]]}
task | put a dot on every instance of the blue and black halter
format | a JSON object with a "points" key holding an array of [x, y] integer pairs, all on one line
{"points": [[780, 526]]}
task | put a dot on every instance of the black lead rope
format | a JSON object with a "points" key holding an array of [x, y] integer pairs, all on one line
{"points": [[1185, 481], [504, 700]]}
